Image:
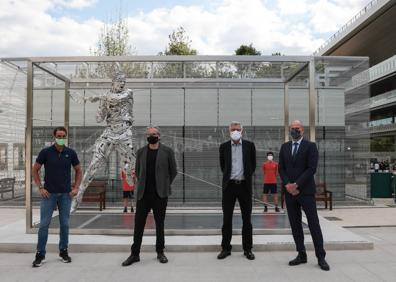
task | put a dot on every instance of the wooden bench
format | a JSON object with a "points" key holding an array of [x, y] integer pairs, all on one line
{"points": [[324, 195], [7, 185], [96, 192]]}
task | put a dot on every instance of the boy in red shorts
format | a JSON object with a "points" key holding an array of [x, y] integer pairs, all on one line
{"points": [[270, 172], [127, 189]]}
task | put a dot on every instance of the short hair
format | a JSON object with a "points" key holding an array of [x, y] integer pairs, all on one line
{"points": [[236, 123], [270, 153], [153, 126], [297, 121], [59, 128]]}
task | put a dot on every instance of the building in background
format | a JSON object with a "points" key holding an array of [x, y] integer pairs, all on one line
{"points": [[372, 33]]}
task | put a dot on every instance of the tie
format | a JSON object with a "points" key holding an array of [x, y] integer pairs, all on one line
{"points": [[295, 146]]}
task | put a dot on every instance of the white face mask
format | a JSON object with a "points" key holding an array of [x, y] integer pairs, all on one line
{"points": [[270, 158], [235, 135]]}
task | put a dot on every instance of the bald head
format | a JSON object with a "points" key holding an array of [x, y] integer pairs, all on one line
{"points": [[296, 126]]}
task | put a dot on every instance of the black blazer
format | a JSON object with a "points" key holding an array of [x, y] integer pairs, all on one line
{"points": [[165, 171], [302, 168], [249, 161]]}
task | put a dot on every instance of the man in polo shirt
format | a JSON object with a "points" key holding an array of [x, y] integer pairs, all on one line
{"points": [[56, 191]]}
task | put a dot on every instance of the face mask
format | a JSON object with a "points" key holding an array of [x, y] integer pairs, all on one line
{"points": [[152, 139], [235, 135], [270, 158], [60, 141], [295, 133]]}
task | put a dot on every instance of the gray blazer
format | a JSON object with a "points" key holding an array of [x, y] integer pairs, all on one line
{"points": [[165, 171]]}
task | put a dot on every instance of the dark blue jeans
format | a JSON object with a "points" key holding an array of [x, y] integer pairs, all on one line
{"points": [[47, 207]]}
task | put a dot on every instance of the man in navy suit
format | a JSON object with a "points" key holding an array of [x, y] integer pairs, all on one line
{"points": [[298, 160], [238, 163]]}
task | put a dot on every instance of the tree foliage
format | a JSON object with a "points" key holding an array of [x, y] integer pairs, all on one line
{"points": [[247, 50], [179, 44], [114, 39]]}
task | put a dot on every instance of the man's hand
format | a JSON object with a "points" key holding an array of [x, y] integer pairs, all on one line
{"points": [[292, 189], [73, 192], [44, 193]]}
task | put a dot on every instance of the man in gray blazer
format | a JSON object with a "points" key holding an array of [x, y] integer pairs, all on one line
{"points": [[155, 171]]}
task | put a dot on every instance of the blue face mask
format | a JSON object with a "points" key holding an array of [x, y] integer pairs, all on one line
{"points": [[295, 133]]}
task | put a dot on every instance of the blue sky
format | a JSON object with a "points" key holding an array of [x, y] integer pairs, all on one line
{"points": [[217, 27], [104, 9]]}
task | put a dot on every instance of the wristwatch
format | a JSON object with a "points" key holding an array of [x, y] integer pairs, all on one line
{"points": [[41, 187]]}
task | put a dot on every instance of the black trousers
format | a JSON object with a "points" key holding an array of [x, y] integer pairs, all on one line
{"points": [[143, 207], [294, 205], [230, 195]]}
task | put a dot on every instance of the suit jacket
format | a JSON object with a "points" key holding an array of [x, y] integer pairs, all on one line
{"points": [[165, 171], [300, 169], [249, 161]]}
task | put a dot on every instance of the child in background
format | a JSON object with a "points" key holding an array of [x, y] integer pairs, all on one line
{"points": [[127, 189], [270, 172]]}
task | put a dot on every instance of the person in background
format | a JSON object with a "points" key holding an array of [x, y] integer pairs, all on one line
{"points": [[127, 189], [270, 172]]}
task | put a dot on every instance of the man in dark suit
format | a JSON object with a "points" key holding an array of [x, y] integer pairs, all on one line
{"points": [[298, 160], [238, 163], [155, 171]]}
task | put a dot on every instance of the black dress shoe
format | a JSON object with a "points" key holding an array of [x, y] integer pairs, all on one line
{"points": [[249, 255], [323, 264], [162, 258], [300, 258], [223, 254], [131, 259]]}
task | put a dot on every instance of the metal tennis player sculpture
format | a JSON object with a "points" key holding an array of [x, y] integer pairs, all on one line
{"points": [[116, 109]]}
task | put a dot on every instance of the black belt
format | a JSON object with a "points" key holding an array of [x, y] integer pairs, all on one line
{"points": [[238, 182]]}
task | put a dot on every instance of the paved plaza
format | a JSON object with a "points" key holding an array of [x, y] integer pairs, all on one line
{"points": [[377, 264]]}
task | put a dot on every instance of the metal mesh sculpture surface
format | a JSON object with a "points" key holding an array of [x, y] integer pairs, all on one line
{"points": [[116, 109]]}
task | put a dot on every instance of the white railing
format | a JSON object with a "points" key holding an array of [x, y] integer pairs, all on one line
{"points": [[344, 28], [374, 73], [373, 102]]}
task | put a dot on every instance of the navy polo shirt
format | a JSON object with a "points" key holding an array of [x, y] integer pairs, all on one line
{"points": [[57, 165]]}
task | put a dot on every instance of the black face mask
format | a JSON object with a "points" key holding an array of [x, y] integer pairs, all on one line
{"points": [[152, 139], [295, 133]]}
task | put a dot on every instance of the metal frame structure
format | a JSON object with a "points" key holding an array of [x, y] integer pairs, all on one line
{"points": [[307, 63]]}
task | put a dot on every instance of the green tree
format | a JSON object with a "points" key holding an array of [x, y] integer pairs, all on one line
{"points": [[113, 40], [247, 50], [179, 43]]}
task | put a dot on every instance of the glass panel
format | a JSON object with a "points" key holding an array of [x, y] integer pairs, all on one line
{"points": [[167, 107], [12, 128], [201, 107], [299, 106], [235, 105], [268, 107], [48, 112]]}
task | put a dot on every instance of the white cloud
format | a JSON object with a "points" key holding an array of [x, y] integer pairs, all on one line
{"points": [[291, 27], [292, 7], [329, 16], [222, 29], [75, 4], [27, 29]]}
